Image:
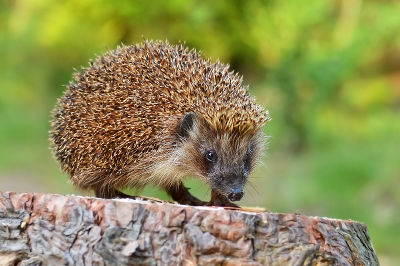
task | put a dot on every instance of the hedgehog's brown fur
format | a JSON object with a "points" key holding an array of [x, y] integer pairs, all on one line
{"points": [[116, 125]]}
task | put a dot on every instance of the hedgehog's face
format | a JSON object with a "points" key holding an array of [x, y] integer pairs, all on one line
{"points": [[222, 160], [227, 167]]}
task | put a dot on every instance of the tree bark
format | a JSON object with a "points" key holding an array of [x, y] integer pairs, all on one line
{"points": [[45, 229]]}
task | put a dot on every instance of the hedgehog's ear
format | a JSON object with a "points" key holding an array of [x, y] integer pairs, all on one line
{"points": [[187, 123]]}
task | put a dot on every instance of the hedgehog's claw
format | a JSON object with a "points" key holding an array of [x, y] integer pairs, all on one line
{"points": [[110, 193]]}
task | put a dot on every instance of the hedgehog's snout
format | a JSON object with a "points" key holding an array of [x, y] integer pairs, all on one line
{"points": [[229, 185], [236, 194]]}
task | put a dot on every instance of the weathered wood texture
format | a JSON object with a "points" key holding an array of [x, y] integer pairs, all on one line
{"points": [[44, 229]]}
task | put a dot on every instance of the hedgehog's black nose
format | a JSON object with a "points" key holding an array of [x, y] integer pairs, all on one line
{"points": [[236, 194]]}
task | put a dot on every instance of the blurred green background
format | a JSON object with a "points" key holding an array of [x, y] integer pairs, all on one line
{"points": [[328, 71]]}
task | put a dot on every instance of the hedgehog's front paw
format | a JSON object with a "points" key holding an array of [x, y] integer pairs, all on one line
{"points": [[217, 199], [182, 195], [191, 200]]}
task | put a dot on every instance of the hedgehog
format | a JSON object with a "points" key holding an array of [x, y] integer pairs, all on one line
{"points": [[156, 113]]}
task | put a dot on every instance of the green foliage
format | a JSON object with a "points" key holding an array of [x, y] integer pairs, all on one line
{"points": [[328, 71]]}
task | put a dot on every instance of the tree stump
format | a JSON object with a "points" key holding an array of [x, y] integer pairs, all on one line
{"points": [[46, 229]]}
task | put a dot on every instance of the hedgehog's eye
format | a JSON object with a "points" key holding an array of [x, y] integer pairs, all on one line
{"points": [[247, 160], [211, 156], [247, 163]]}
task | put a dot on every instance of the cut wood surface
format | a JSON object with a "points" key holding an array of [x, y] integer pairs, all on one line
{"points": [[47, 229]]}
